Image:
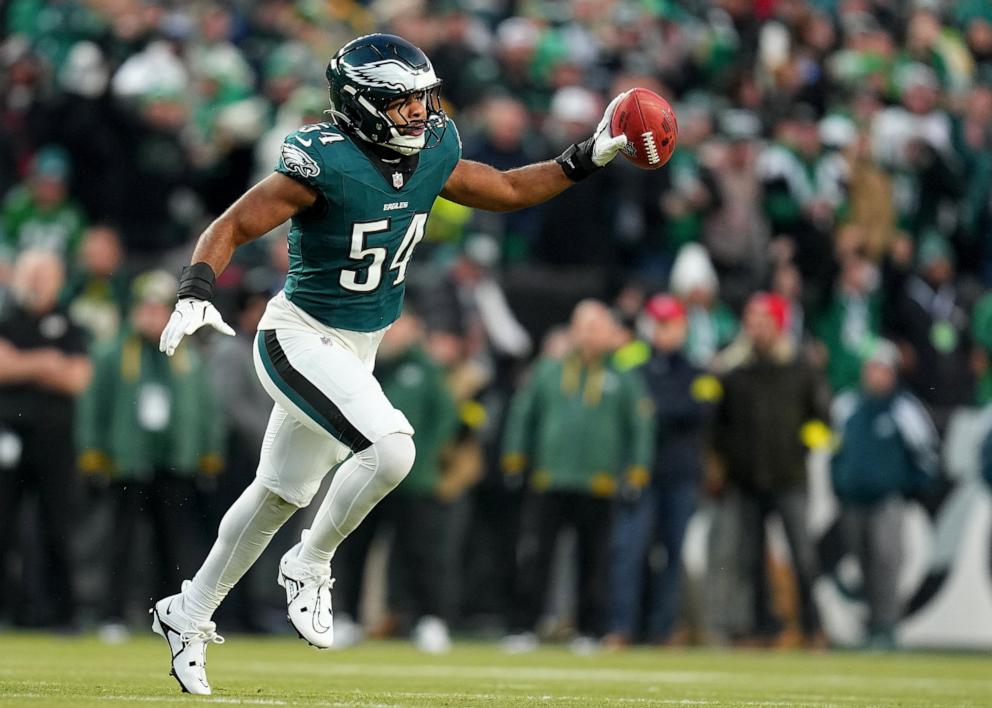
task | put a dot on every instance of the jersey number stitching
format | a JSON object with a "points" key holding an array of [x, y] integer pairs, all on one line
{"points": [[373, 272]]}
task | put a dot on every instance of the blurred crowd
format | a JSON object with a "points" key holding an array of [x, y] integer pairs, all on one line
{"points": [[807, 277]]}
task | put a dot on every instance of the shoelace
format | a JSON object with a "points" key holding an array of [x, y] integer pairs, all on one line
{"points": [[204, 636]]}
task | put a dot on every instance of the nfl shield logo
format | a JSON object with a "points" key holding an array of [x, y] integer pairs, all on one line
{"points": [[397, 179]]}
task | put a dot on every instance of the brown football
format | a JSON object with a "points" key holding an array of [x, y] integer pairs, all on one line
{"points": [[649, 123]]}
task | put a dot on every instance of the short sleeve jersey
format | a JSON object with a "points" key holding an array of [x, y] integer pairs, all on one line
{"points": [[348, 255]]}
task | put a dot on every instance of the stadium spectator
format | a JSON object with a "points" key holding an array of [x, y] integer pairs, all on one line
{"points": [[771, 411], [149, 425], [83, 118], [40, 213], [157, 205], [804, 189], [712, 325], [735, 232], [584, 429], [43, 368], [972, 137], [932, 331], [886, 447], [850, 321], [683, 399], [95, 294], [422, 512], [507, 141], [418, 513]]}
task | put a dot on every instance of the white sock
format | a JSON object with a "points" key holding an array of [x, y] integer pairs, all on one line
{"points": [[244, 532], [358, 485]]}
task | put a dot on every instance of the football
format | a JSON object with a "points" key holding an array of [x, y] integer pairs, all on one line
{"points": [[649, 123]]}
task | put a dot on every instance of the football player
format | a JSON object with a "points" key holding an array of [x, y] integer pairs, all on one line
{"points": [[358, 189]]}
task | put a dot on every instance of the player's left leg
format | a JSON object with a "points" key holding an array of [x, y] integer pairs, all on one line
{"points": [[325, 385]]}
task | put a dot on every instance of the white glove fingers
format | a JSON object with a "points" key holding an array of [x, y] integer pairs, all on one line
{"points": [[222, 327]]}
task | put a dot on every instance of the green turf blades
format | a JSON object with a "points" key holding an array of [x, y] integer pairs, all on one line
{"points": [[40, 670]]}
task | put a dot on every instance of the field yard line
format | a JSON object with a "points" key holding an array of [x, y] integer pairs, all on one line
{"points": [[592, 674], [229, 700], [234, 700]]}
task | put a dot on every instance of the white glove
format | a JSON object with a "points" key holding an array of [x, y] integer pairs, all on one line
{"points": [[604, 145], [189, 316], [582, 159]]}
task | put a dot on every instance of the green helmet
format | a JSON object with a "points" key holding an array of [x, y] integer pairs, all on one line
{"points": [[368, 74]]}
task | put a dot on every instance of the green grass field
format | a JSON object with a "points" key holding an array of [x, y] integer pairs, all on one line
{"points": [[42, 670]]}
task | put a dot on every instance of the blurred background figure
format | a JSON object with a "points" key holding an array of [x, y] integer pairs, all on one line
{"points": [[96, 292], [761, 436], [148, 427], [933, 333], [583, 429], [43, 368], [40, 213], [649, 529], [712, 324], [418, 514], [422, 513], [886, 448]]}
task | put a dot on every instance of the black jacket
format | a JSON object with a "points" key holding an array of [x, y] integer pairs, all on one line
{"points": [[766, 402], [684, 398]]}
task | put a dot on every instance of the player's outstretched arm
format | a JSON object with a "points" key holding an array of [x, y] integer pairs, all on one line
{"points": [[259, 210], [483, 187]]}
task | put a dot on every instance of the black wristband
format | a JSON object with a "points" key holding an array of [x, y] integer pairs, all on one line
{"points": [[576, 162], [197, 282]]}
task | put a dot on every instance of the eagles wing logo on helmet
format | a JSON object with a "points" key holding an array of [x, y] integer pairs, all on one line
{"points": [[387, 73], [299, 162]]}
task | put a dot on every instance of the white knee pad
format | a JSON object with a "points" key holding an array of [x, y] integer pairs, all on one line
{"points": [[394, 455]]}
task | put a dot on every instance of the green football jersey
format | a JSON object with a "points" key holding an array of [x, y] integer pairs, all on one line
{"points": [[348, 255]]}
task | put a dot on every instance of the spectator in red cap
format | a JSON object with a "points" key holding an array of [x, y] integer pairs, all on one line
{"points": [[684, 398], [770, 415]]}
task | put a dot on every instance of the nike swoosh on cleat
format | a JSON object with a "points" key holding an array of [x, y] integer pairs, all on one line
{"points": [[316, 619]]}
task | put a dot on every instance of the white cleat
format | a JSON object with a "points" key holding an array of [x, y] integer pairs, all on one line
{"points": [[308, 599], [187, 643]]}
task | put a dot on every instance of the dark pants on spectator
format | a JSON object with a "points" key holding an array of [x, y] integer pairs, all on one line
{"points": [[660, 516], [489, 558], [418, 563], [45, 469], [169, 503], [543, 517], [791, 505]]}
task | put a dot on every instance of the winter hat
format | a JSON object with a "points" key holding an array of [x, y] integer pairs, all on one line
{"points": [[774, 304], [693, 270], [665, 308]]}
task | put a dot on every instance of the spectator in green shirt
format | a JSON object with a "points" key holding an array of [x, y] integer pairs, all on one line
{"points": [[148, 426], [584, 430], [40, 214]]}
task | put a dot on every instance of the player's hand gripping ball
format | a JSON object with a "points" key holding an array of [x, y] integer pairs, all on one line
{"points": [[649, 123]]}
